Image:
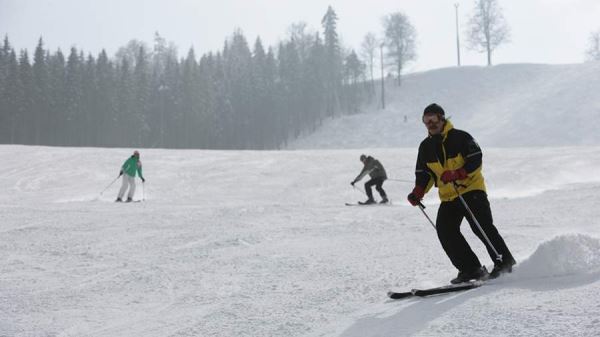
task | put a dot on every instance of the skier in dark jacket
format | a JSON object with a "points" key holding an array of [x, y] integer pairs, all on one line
{"points": [[451, 160], [375, 170], [129, 169]]}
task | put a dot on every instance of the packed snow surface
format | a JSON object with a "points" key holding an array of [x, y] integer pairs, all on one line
{"points": [[245, 243]]}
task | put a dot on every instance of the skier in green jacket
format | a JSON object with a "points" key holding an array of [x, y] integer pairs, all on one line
{"points": [[130, 167]]}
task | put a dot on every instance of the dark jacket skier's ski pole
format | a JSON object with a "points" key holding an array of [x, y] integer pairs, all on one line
{"points": [[401, 180], [462, 200], [422, 208], [109, 185], [361, 191]]}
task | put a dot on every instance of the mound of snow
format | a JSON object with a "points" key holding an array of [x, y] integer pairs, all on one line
{"points": [[565, 255]]}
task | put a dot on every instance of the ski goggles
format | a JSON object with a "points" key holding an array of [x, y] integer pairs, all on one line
{"points": [[431, 118]]}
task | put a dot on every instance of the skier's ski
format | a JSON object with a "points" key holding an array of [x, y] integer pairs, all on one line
{"points": [[435, 291]]}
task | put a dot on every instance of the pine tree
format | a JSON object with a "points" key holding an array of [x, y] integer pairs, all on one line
{"points": [[125, 134], [190, 108], [91, 120], [238, 61], [314, 83], [73, 108], [333, 61], [260, 91], [40, 99], [26, 117], [272, 104], [207, 100], [5, 113], [224, 110], [58, 99], [12, 96], [141, 85], [105, 99]]}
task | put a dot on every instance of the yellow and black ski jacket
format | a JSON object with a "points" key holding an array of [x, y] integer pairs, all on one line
{"points": [[450, 150]]}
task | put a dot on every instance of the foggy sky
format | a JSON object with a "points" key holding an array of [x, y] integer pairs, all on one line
{"points": [[542, 31]]}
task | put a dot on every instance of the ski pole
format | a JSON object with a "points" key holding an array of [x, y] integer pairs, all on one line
{"points": [[401, 180], [422, 208], [143, 191], [363, 192], [109, 185], [462, 200]]}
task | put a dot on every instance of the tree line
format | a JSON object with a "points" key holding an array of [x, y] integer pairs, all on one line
{"points": [[241, 97]]}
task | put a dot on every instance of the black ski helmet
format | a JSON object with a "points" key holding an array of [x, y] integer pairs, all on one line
{"points": [[363, 157], [434, 108]]}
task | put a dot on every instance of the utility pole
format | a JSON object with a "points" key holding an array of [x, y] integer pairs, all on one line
{"points": [[382, 79], [162, 91], [457, 35]]}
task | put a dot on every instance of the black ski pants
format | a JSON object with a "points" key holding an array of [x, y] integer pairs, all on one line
{"points": [[450, 216], [378, 182]]}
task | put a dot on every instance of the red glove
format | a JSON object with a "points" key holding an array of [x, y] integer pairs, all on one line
{"points": [[453, 175], [416, 195]]}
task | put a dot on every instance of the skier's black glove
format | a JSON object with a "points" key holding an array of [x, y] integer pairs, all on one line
{"points": [[352, 183], [416, 195], [143, 180], [120, 173]]}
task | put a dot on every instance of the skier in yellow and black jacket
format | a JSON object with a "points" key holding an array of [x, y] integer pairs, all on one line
{"points": [[451, 160]]}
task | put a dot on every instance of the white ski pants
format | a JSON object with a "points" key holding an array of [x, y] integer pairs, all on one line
{"points": [[128, 181]]}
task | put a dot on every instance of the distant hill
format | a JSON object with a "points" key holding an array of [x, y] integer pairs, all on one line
{"points": [[501, 106]]}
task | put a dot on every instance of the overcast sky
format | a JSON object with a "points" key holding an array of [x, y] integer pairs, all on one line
{"points": [[543, 31]]}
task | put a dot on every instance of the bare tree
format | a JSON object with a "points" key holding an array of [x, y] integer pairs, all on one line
{"points": [[368, 48], [487, 27], [302, 37], [593, 52], [400, 36], [130, 52]]}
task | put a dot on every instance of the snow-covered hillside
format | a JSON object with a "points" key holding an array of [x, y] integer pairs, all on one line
{"points": [[246, 243], [504, 105]]}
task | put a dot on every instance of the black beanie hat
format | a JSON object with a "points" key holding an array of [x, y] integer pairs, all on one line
{"points": [[433, 109]]}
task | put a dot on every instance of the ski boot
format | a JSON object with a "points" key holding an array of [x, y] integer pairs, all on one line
{"points": [[503, 267], [129, 200], [119, 200], [384, 200], [477, 274], [369, 201]]}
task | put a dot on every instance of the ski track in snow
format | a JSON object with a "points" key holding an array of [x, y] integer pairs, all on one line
{"points": [[248, 243]]}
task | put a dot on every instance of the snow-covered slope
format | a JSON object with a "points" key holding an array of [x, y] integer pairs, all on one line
{"points": [[245, 243], [504, 105]]}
